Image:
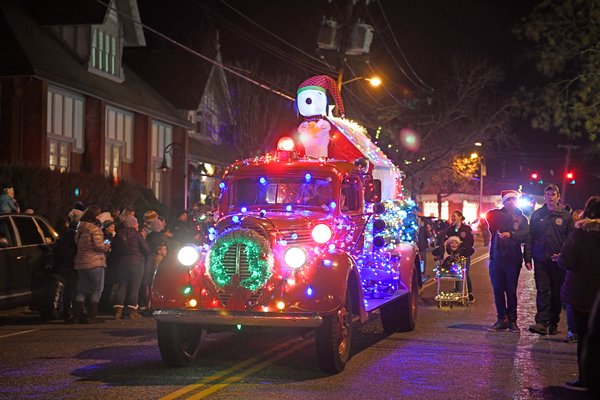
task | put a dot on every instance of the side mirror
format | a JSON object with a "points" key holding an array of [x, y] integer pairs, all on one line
{"points": [[372, 191]]}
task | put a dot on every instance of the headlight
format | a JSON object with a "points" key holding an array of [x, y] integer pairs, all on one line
{"points": [[188, 255], [295, 257], [321, 233]]}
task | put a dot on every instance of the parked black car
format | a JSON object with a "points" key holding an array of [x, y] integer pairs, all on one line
{"points": [[26, 277]]}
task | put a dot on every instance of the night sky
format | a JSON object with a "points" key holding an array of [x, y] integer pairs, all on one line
{"points": [[426, 31]]}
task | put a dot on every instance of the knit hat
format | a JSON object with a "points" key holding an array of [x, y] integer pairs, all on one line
{"points": [[150, 215], [74, 215], [453, 239], [507, 194], [324, 83], [130, 221], [105, 216]]}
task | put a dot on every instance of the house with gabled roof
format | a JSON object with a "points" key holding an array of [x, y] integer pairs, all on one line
{"points": [[69, 103], [199, 89]]}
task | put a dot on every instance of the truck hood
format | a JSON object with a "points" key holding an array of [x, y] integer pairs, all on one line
{"points": [[274, 220]]}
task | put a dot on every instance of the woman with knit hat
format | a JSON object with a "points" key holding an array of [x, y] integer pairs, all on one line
{"points": [[129, 254]]}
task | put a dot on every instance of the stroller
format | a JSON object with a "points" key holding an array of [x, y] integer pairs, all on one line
{"points": [[453, 269]]}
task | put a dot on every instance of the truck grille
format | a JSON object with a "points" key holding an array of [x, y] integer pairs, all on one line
{"points": [[236, 262]]}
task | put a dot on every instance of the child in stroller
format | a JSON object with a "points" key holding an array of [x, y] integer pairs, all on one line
{"points": [[451, 264]]}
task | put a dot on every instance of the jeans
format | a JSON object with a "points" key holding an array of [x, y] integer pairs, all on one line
{"points": [[548, 280], [505, 277], [129, 279], [90, 281]]}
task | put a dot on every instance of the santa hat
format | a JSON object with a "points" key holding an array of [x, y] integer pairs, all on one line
{"points": [[324, 84], [453, 239], [507, 194]]}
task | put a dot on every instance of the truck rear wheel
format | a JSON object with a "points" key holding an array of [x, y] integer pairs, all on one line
{"points": [[178, 343], [401, 314], [334, 338]]}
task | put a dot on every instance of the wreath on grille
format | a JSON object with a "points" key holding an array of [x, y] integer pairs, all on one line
{"points": [[257, 251]]}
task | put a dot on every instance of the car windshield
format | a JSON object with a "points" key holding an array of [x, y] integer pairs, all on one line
{"points": [[306, 191]]}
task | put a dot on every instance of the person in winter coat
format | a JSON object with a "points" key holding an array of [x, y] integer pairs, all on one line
{"points": [[63, 254], [548, 229], [580, 257], [7, 199], [464, 232], [509, 229], [451, 250], [90, 263], [129, 254]]}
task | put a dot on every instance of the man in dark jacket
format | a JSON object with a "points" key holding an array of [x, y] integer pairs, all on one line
{"points": [[548, 229], [509, 229]]}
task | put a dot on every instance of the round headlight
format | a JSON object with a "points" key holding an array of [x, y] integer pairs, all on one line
{"points": [[188, 255], [321, 233], [295, 257]]}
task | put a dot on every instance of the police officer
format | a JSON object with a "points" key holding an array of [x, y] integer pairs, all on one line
{"points": [[549, 227]]}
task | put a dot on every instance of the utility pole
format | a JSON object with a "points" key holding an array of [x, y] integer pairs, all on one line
{"points": [[347, 10], [563, 190]]}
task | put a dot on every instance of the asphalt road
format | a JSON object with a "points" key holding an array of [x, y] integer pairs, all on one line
{"points": [[449, 355]]}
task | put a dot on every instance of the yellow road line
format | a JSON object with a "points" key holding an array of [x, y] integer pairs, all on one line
{"points": [[235, 378], [219, 375]]}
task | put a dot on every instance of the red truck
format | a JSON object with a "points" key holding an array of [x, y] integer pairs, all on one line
{"points": [[299, 242]]}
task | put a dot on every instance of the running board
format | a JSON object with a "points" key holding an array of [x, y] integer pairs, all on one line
{"points": [[372, 304]]}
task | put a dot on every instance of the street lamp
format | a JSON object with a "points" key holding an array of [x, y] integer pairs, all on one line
{"points": [[374, 81], [171, 150]]}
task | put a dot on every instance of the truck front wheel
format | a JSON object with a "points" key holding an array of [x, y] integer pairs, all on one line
{"points": [[178, 343], [334, 338], [401, 314]]}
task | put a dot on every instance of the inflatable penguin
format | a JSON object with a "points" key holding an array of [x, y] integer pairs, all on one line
{"points": [[311, 101]]}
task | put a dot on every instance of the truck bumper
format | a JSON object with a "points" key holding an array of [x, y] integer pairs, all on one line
{"points": [[248, 318]]}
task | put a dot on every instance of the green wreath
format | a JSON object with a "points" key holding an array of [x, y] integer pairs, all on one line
{"points": [[258, 254]]}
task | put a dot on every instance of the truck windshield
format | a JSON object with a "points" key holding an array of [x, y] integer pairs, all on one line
{"points": [[298, 191]]}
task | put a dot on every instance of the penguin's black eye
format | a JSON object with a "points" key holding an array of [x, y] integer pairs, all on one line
{"points": [[308, 100]]}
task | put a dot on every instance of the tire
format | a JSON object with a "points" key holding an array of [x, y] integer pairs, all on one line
{"points": [[178, 343], [334, 339], [401, 315], [51, 303]]}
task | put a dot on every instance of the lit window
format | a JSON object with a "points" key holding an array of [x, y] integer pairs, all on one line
{"points": [[162, 136], [64, 127], [105, 51], [118, 139]]}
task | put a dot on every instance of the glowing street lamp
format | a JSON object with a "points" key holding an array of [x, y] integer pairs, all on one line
{"points": [[374, 81]]}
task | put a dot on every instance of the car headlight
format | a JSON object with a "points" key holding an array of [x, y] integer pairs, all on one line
{"points": [[295, 257], [188, 255], [321, 233]]}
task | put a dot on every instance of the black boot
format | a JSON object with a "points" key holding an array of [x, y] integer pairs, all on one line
{"points": [[93, 313], [79, 316]]}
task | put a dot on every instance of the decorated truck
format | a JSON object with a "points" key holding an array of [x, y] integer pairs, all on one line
{"points": [[307, 236]]}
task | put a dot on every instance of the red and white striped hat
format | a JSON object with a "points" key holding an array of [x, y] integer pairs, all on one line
{"points": [[324, 83]]}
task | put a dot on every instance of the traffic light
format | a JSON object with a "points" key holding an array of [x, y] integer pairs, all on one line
{"points": [[535, 177], [570, 176]]}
